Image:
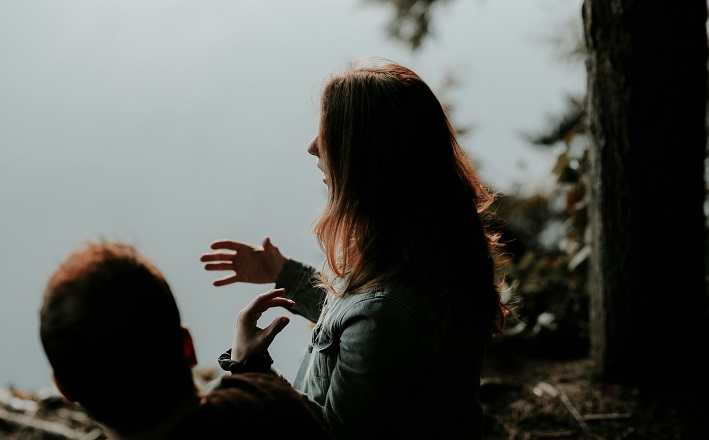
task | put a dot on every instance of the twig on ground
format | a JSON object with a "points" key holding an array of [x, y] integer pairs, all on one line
{"points": [[575, 413], [610, 416], [543, 387]]}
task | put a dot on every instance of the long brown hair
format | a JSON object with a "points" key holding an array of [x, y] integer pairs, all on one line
{"points": [[405, 203]]}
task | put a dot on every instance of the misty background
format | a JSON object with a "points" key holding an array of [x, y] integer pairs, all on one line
{"points": [[171, 124]]}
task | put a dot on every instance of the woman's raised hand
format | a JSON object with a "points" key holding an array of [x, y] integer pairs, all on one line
{"points": [[249, 263], [249, 339]]}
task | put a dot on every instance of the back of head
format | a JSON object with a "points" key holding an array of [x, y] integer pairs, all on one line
{"points": [[405, 201], [112, 333]]}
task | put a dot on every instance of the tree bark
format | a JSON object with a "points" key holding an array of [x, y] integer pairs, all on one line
{"points": [[647, 84]]}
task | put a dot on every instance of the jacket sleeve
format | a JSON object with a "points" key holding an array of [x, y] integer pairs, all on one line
{"points": [[299, 281]]}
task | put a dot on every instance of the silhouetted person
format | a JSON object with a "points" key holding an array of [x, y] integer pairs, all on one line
{"points": [[111, 330]]}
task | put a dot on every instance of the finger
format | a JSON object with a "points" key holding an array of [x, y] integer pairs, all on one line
{"points": [[219, 266], [230, 244], [225, 280], [217, 256], [263, 298], [277, 302], [273, 293]]}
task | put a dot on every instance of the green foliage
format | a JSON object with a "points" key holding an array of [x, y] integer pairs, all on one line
{"points": [[411, 22], [546, 266]]}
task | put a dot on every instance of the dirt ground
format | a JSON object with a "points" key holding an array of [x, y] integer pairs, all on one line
{"points": [[523, 397], [531, 398]]}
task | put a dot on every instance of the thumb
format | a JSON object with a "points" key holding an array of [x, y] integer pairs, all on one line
{"points": [[275, 328], [267, 243]]}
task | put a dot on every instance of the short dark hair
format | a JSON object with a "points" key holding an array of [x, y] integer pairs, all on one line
{"points": [[111, 330]]}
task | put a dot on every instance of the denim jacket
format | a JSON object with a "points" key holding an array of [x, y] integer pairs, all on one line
{"points": [[381, 364]]}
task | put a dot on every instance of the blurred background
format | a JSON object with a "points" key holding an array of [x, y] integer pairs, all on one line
{"points": [[171, 124]]}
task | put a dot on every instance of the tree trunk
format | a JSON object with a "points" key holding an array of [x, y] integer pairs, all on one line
{"points": [[647, 80]]}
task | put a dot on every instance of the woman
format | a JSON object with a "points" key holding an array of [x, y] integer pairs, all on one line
{"points": [[407, 297]]}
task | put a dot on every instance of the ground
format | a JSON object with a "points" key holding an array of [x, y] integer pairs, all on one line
{"points": [[523, 397], [533, 398]]}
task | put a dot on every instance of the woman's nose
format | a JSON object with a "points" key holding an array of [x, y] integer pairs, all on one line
{"points": [[313, 148]]}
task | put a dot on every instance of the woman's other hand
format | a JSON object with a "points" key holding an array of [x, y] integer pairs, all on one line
{"points": [[251, 340], [250, 263]]}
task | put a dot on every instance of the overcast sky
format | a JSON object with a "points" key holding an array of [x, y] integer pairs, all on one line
{"points": [[170, 124]]}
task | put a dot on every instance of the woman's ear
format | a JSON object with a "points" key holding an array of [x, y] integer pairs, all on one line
{"points": [[63, 389], [188, 351]]}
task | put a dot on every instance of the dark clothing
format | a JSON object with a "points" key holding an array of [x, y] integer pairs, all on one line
{"points": [[388, 362], [252, 405]]}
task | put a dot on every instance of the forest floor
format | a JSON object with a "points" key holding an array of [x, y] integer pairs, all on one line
{"points": [[523, 398], [533, 398]]}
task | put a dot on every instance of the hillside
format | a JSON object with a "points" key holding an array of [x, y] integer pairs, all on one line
{"points": [[524, 398]]}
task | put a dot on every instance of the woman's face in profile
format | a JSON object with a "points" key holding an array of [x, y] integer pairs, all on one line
{"points": [[314, 149]]}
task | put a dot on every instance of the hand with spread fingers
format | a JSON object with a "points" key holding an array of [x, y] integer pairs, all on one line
{"points": [[250, 263], [251, 340]]}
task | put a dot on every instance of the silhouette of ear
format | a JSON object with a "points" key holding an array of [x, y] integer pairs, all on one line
{"points": [[63, 389], [188, 351]]}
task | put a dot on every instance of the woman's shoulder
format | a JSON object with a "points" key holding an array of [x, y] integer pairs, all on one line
{"points": [[390, 299]]}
